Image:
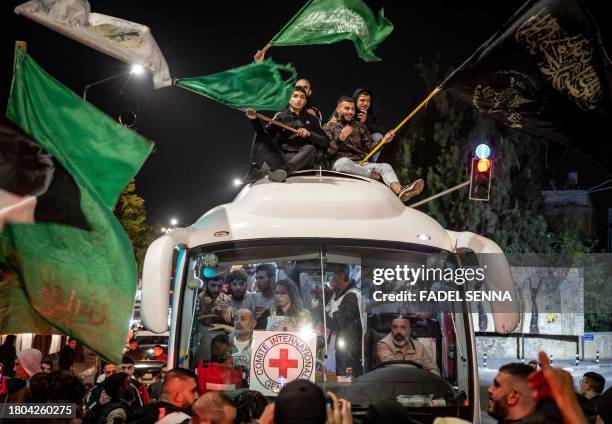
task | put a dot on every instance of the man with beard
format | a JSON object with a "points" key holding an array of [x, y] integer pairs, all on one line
{"points": [[265, 276], [250, 272], [398, 345], [511, 399], [350, 141], [240, 337], [179, 392], [239, 296], [592, 385], [212, 300]]}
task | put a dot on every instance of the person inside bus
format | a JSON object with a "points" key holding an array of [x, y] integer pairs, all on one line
{"points": [[250, 272], [240, 297], [241, 334], [398, 345], [350, 142], [211, 300], [285, 151], [265, 275], [287, 303], [343, 309]]}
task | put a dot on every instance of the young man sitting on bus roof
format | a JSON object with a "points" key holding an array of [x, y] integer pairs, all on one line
{"points": [[284, 151], [350, 142], [398, 345]]}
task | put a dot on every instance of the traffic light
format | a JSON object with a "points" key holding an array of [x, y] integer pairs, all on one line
{"points": [[480, 174]]}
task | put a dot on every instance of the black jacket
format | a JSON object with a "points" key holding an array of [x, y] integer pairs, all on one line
{"points": [[149, 413], [373, 120], [286, 140]]}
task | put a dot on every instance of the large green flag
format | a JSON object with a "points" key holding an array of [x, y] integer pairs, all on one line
{"points": [[60, 278], [330, 21], [258, 85]]}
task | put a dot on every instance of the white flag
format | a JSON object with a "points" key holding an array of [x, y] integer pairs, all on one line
{"points": [[124, 40]]}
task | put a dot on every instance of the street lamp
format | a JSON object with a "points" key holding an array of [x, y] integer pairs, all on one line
{"points": [[136, 69], [174, 222], [237, 182]]}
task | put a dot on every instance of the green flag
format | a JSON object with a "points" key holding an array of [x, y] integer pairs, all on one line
{"points": [[259, 86], [330, 21], [60, 278]]}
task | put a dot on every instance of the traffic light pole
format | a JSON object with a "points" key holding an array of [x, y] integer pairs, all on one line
{"points": [[442, 193]]}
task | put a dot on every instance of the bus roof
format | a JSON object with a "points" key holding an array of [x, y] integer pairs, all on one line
{"points": [[313, 204]]}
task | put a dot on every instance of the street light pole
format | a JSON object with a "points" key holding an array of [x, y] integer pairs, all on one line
{"points": [[100, 82], [135, 70]]}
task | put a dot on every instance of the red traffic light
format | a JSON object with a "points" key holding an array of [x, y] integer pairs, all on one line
{"points": [[483, 165], [480, 179]]}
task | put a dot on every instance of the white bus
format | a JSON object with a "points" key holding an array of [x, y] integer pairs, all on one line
{"points": [[319, 221]]}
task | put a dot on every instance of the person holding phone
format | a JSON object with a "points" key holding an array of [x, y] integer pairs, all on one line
{"points": [[368, 115]]}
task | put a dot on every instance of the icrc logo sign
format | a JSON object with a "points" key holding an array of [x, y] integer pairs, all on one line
{"points": [[280, 357]]}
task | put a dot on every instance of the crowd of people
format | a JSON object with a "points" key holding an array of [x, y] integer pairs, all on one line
{"points": [[305, 142], [518, 394], [235, 301]]}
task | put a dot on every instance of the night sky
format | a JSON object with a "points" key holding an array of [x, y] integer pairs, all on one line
{"points": [[201, 146]]}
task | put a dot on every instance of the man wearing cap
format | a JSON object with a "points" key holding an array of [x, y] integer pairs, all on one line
{"points": [[398, 345]]}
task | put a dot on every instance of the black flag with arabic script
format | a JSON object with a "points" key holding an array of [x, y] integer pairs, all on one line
{"points": [[544, 72]]}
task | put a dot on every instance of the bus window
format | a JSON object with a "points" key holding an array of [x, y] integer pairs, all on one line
{"points": [[364, 328]]}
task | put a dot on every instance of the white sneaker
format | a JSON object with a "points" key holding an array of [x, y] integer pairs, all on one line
{"points": [[409, 191]]}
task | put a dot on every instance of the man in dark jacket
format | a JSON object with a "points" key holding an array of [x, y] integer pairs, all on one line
{"points": [[67, 355], [179, 392], [345, 320], [283, 151], [368, 115], [311, 106], [511, 400], [350, 142]]}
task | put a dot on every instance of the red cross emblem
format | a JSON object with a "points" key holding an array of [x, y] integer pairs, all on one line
{"points": [[283, 363]]}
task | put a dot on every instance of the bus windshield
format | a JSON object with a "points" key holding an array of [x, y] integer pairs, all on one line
{"points": [[271, 311]]}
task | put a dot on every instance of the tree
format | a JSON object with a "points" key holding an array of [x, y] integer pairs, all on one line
{"points": [[130, 211], [438, 146]]}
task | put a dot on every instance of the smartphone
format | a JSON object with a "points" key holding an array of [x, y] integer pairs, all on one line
{"points": [[329, 401]]}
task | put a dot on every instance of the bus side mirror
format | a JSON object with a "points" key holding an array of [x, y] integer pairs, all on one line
{"points": [[156, 277], [499, 276]]}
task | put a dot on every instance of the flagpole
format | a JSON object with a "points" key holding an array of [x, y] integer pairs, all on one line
{"points": [[401, 124], [260, 55], [272, 121]]}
